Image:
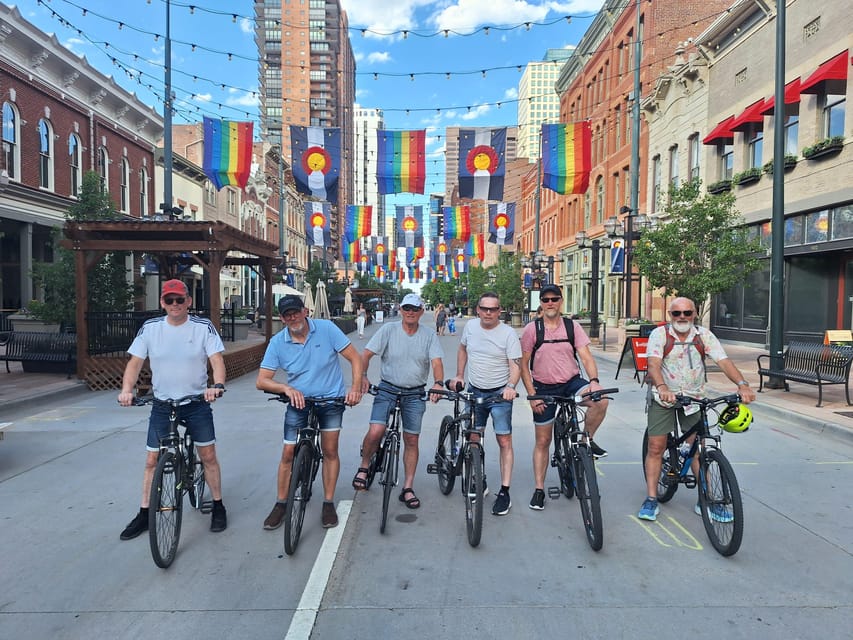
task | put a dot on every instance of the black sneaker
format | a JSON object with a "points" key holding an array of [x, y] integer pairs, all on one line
{"points": [[218, 519], [502, 504], [138, 525], [537, 502], [276, 517], [330, 516], [597, 451]]}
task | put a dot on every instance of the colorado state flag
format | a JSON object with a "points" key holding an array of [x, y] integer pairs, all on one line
{"points": [[316, 160], [482, 163]]}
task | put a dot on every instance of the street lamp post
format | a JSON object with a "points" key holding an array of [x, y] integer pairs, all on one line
{"points": [[595, 245], [643, 223]]}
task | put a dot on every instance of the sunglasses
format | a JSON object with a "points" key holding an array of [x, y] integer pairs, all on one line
{"points": [[167, 300], [677, 313], [410, 308], [550, 299], [490, 309]]}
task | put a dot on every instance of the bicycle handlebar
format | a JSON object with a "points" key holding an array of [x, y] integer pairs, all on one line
{"points": [[683, 401], [373, 390], [469, 396], [282, 397], [596, 396], [139, 401]]}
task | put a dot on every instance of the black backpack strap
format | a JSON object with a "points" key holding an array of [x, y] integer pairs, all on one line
{"points": [[539, 325]]}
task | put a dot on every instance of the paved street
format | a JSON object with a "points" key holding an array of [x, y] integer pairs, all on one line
{"points": [[69, 482]]}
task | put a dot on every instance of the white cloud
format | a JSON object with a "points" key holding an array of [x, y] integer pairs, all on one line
{"points": [[72, 44], [467, 15], [240, 98], [358, 55], [247, 26], [383, 16], [511, 93], [476, 111], [203, 97], [378, 57]]}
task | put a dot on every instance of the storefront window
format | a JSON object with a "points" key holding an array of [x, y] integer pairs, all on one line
{"points": [[812, 283], [794, 231], [817, 226], [842, 223], [756, 298], [766, 234]]}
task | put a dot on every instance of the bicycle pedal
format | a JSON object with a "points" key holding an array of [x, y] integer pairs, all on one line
{"points": [[207, 506], [690, 482], [432, 468], [553, 462], [554, 493]]}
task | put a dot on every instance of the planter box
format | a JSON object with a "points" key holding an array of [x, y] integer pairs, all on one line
{"points": [[720, 187], [829, 150], [748, 179], [22, 322], [241, 328]]}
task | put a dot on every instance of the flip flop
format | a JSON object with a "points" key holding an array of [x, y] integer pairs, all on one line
{"points": [[411, 503], [360, 484]]}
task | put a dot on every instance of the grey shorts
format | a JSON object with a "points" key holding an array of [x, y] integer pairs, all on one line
{"points": [[662, 420]]}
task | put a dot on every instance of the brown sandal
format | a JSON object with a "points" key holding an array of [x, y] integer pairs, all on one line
{"points": [[360, 484], [411, 503]]}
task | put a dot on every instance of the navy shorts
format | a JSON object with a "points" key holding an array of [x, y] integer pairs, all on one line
{"points": [[564, 389], [198, 416]]}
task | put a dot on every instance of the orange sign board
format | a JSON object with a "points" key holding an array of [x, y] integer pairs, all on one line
{"points": [[638, 351]]}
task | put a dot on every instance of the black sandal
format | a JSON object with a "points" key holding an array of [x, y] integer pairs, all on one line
{"points": [[360, 484], [411, 503]]}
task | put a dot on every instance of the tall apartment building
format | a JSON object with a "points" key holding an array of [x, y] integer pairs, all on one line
{"points": [[538, 101], [365, 189], [307, 77]]}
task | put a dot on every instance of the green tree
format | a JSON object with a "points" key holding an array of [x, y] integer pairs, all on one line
{"points": [[109, 289], [438, 292], [478, 282], [508, 282], [701, 249]]}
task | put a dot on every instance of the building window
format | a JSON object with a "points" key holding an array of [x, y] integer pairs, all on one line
{"points": [[143, 193], [124, 194], [655, 183], [11, 135], [587, 210], [75, 160], [209, 193], [756, 146], [673, 166], [833, 115], [104, 168], [792, 130], [45, 155], [232, 202], [726, 161], [599, 199], [693, 156]]}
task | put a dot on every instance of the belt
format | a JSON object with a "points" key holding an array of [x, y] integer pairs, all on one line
{"points": [[396, 386], [503, 386]]}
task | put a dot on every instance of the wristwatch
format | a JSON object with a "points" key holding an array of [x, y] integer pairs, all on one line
{"points": [[439, 383], [595, 380], [219, 385], [510, 385], [742, 383]]}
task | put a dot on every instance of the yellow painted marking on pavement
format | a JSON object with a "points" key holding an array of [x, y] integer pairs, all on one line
{"points": [[690, 543], [695, 544], [647, 527]]}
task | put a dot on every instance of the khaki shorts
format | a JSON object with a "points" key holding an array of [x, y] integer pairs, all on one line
{"points": [[662, 420]]}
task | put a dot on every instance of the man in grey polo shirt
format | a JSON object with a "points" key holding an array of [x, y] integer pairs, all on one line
{"points": [[407, 350]]}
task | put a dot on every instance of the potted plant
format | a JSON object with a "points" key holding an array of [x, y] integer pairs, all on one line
{"points": [[824, 147], [789, 163], [747, 176], [720, 186], [36, 317]]}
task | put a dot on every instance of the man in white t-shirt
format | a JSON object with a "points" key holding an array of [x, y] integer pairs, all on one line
{"points": [[492, 354], [178, 347]]}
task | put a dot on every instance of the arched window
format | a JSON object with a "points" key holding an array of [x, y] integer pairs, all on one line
{"points": [[75, 161], [124, 191], [11, 136], [599, 199], [104, 168], [143, 193], [45, 155]]}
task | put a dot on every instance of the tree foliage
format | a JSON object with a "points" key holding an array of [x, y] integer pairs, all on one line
{"points": [[507, 277], [109, 289], [700, 250]]}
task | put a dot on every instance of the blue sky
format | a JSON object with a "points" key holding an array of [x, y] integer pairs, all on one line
{"points": [[118, 38]]}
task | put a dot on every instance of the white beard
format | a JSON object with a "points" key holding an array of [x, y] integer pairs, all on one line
{"points": [[682, 326]]}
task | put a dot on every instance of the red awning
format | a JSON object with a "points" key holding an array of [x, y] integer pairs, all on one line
{"points": [[830, 77], [750, 115], [792, 96], [721, 132]]}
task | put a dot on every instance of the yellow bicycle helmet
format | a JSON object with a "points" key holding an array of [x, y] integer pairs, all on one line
{"points": [[736, 418]]}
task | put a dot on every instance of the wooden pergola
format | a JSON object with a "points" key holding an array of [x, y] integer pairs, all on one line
{"points": [[208, 244]]}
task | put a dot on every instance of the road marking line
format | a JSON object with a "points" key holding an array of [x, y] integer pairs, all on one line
{"points": [[305, 615]]}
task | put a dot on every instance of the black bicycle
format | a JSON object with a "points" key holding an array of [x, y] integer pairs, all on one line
{"points": [[179, 471], [386, 459], [574, 460], [720, 500], [306, 462], [460, 452]]}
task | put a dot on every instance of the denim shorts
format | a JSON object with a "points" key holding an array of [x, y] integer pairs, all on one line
{"points": [[661, 420], [412, 407], [563, 389], [330, 417], [198, 417], [501, 412]]}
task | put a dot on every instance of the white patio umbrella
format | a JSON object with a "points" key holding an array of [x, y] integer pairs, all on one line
{"points": [[348, 308], [309, 297], [281, 289], [321, 308]]}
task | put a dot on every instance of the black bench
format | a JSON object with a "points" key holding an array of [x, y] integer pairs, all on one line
{"points": [[59, 349], [811, 363]]}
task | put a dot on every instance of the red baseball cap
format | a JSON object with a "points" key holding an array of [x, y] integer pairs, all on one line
{"points": [[175, 287]]}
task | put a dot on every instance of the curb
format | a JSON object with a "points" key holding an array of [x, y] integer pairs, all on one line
{"points": [[42, 397]]}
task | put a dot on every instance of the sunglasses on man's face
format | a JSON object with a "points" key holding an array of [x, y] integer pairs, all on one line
{"points": [[168, 300], [677, 313], [490, 309], [410, 308], [550, 299]]}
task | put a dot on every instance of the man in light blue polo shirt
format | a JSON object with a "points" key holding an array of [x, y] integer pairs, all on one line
{"points": [[307, 350]]}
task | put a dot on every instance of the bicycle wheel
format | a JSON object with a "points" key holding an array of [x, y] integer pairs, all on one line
{"points": [[297, 497], [473, 484], [444, 456], [720, 502], [589, 497], [373, 466], [164, 509], [669, 470], [198, 483], [388, 479], [562, 456]]}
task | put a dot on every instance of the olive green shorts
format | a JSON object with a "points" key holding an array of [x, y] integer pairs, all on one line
{"points": [[662, 420]]}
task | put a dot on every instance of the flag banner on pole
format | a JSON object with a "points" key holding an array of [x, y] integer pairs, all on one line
{"points": [[401, 161], [227, 152], [617, 256], [440, 253], [482, 165], [457, 222], [414, 253], [380, 251], [476, 247], [409, 230], [364, 263], [502, 223], [350, 252], [357, 221], [566, 160], [316, 160], [459, 263], [414, 274], [317, 230]]}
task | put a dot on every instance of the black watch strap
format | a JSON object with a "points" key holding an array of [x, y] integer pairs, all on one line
{"points": [[595, 380]]}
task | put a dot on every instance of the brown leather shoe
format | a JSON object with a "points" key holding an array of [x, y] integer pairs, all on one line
{"points": [[275, 518], [330, 516]]}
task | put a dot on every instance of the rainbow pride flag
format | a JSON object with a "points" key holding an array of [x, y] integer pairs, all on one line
{"points": [[476, 247], [566, 159], [401, 161], [357, 222], [227, 152], [457, 222], [350, 252]]}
